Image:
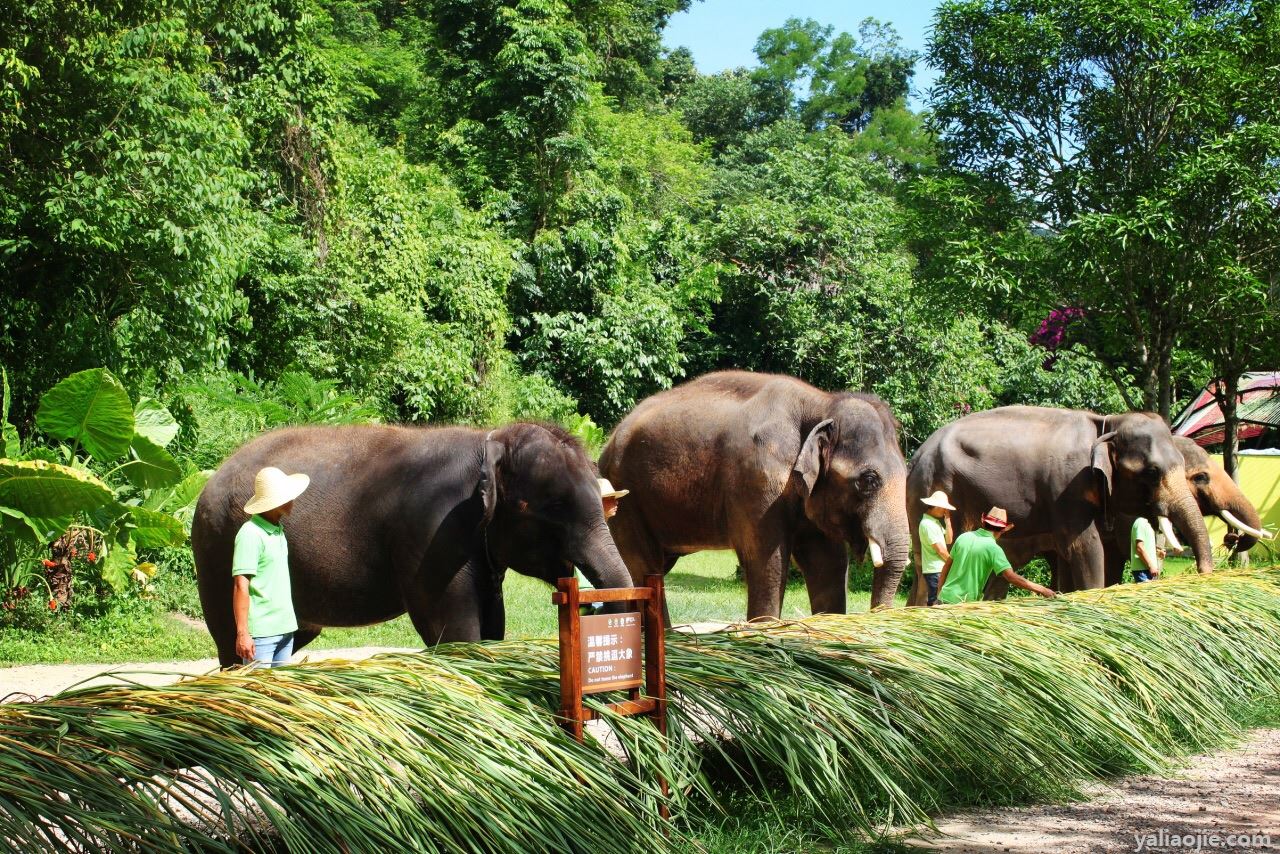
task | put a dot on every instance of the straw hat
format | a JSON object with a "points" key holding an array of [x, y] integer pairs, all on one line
{"points": [[273, 488], [938, 499], [607, 490], [996, 517]]}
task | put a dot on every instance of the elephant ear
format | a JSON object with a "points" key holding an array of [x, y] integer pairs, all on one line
{"points": [[1100, 460], [815, 453], [493, 452]]}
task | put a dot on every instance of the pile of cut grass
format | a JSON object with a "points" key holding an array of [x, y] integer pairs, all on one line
{"points": [[871, 721]]}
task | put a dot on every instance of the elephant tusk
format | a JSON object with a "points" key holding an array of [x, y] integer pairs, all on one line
{"points": [[1166, 527], [877, 556], [1230, 519]]}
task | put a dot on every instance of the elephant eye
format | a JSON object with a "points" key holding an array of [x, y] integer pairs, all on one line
{"points": [[1200, 479], [868, 482]]}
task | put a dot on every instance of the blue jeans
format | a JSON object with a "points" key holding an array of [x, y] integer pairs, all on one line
{"points": [[1141, 575], [931, 582], [272, 650]]}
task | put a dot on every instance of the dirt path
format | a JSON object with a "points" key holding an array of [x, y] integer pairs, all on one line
{"points": [[1217, 795], [29, 681]]}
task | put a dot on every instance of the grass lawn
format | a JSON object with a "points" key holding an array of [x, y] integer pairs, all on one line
{"points": [[701, 588]]}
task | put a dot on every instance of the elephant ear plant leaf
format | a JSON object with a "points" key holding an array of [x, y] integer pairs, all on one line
{"points": [[150, 466], [152, 420], [40, 489], [91, 409]]}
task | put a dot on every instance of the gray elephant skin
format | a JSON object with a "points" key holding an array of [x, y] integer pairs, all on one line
{"points": [[1067, 479], [771, 467], [1216, 494], [423, 520]]}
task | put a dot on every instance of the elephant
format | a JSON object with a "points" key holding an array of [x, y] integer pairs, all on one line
{"points": [[771, 467], [1216, 494], [1066, 477], [417, 519]]}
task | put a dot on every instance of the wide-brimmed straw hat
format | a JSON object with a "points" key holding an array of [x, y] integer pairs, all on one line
{"points": [[607, 490], [273, 488], [996, 517], [938, 499]]}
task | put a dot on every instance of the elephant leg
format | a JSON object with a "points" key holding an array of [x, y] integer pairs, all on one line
{"points": [[1083, 558], [1113, 561], [443, 613], [919, 594], [493, 614], [825, 565], [997, 589], [1055, 572], [304, 635], [765, 565], [640, 550]]}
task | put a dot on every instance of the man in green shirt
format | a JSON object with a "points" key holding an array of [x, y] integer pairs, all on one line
{"points": [[933, 540], [261, 596], [1144, 555], [976, 556]]}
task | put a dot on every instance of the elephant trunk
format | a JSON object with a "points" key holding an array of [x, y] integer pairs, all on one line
{"points": [[598, 558], [889, 544], [1185, 515]]}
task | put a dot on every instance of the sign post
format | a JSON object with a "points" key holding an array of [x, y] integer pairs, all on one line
{"points": [[603, 652]]}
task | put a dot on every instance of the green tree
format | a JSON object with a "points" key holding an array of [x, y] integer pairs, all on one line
{"points": [[138, 139], [848, 78], [1093, 114]]}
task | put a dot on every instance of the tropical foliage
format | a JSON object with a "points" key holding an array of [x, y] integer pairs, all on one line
{"points": [[905, 712], [106, 486]]}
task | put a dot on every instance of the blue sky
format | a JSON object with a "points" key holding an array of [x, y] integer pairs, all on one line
{"points": [[722, 33]]}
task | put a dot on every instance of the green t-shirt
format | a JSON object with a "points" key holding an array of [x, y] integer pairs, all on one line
{"points": [[1141, 532], [975, 557], [931, 531], [262, 554]]}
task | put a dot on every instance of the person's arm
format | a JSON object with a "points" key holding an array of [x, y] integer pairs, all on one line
{"points": [[240, 607], [942, 550], [1153, 565], [244, 565], [1018, 581], [942, 577]]}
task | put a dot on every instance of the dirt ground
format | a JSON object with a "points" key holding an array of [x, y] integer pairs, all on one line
{"points": [[1222, 794], [31, 681], [1231, 792]]}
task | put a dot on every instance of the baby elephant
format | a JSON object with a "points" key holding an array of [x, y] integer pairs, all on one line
{"points": [[424, 520]]}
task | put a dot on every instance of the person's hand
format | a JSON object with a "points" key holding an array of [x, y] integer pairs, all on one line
{"points": [[1160, 553], [1155, 573], [244, 647], [1047, 593]]}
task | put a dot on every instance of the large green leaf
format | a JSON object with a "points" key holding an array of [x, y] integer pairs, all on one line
{"points": [[10, 445], [153, 420], [117, 565], [19, 525], [41, 489], [181, 497], [152, 466], [91, 408], [154, 530]]}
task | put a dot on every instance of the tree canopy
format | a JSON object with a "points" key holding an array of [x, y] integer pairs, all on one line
{"points": [[473, 211]]}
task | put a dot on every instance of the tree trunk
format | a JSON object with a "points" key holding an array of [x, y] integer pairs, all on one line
{"points": [[1165, 380], [1229, 401]]}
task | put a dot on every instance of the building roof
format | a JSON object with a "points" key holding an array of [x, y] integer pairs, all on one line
{"points": [[1259, 409]]}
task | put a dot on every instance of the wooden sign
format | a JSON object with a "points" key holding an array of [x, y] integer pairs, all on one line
{"points": [[611, 652], [604, 652]]}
